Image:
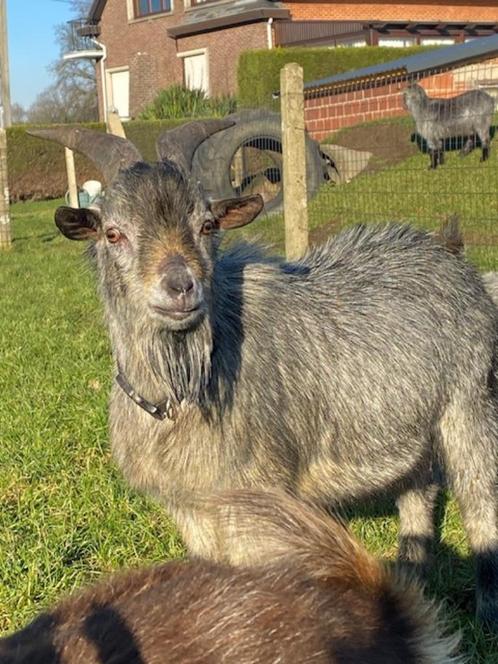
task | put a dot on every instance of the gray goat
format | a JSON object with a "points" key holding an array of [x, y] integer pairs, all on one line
{"points": [[465, 115], [349, 374], [317, 597]]}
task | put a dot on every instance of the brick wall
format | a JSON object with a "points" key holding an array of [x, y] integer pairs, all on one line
{"points": [[456, 10], [329, 113], [223, 49]]}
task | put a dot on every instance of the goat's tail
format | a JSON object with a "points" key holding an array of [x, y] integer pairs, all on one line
{"points": [[450, 235], [277, 527]]}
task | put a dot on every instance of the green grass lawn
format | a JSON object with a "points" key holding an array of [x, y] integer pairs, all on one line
{"points": [[66, 516]]}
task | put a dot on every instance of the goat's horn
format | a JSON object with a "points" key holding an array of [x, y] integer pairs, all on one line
{"points": [[179, 144], [108, 152]]}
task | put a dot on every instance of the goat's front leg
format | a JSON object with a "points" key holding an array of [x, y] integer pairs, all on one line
{"points": [[416, 532], [485, 152], [434, 155], [468, 146], [214, 534], [198, 531]]}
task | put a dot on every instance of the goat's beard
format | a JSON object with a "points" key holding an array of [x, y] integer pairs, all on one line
{"points": [[181, 361], [160, 363]]}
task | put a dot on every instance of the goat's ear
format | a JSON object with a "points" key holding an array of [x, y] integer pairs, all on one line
{"points": [[77, 223], [236, 212]]}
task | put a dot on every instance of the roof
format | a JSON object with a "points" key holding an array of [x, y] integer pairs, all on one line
{"points": [[96, 9], [437, 59], [214, 16]]}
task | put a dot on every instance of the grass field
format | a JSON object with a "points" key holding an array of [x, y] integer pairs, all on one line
{"points": [[66, 517]]}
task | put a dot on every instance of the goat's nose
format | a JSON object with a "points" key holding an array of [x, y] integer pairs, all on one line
{"points": [[177, 279], [178, 282]]}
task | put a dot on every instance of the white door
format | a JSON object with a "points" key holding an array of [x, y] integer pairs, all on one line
{"points": [[120, 93], [196, 72]]}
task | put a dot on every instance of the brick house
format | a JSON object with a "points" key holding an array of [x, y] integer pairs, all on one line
{"points": [[150, 44]]}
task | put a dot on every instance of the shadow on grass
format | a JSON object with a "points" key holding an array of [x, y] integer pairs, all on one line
{"points": [[43, 237], [451, 576]]}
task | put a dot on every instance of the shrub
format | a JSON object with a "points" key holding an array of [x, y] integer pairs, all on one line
{"points": [[259, 71], [179, 102], [37, 168]]}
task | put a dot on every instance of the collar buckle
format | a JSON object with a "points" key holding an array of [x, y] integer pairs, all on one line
{"points": [[164, 410]]}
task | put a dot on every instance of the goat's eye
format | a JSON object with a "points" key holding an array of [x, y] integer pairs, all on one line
{"points": [[208, 227], [113, 235]]}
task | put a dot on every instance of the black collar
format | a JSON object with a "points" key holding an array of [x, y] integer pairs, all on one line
{"points": [[160, 411]]}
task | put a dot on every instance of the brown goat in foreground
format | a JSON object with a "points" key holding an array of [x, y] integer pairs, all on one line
{"points": [[312, 595]]}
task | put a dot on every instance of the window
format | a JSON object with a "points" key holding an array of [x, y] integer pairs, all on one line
{"points": [[146, 7], [195, 70], [397, 42], [352, 42], [436, 41]]}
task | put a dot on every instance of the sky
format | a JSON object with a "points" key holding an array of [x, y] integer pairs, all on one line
{"points": [[32, 45]]}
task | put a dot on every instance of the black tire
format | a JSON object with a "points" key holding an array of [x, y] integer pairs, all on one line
{"points": [[257, 130]]}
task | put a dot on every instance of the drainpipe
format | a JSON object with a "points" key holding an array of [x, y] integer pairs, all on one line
{"points": [[103, 76], [269, 34], [98, 54]]}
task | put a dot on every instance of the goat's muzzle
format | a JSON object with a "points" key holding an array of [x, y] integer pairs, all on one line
{"points": [[178, 298]]}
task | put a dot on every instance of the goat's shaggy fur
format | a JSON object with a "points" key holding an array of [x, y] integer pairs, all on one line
{"points": [[467, 115], [351, 373], [316, 596], [491, 282]]}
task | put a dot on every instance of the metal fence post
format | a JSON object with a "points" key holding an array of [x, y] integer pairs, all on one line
{"points": [[295, 193]]}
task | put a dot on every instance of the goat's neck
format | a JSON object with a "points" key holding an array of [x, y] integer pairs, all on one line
{"points": [[160, 364], [419, 110]]}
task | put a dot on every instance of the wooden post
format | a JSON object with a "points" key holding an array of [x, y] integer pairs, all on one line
{"points": [[5, 231], [71, 178], [4, 66], [295, 193], [5, 234], [114, 125]]}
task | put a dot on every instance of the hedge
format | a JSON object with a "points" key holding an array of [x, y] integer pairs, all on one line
{"points": [[259, 71], [37, 168]]}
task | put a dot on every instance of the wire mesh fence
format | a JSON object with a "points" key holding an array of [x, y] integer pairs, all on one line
{"points": [[414, 149]]}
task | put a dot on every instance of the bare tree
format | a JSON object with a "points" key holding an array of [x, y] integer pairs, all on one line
{"points": [[73, 95], [18, 114]]}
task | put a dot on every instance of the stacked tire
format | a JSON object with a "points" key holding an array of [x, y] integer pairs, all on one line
{"points": [[259, 132]]}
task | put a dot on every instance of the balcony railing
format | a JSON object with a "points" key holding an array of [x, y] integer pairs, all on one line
{"points": [[82, 34]]}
